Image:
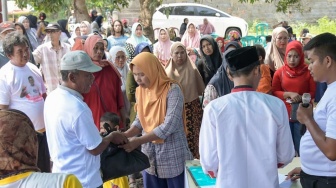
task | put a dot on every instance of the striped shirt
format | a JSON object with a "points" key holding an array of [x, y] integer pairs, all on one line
{"points": [[50, 61]]}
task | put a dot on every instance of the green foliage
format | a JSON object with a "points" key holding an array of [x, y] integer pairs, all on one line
{"points": [[54, 6], [281, 5], [322, 25], [107, 5], [42, 5]]}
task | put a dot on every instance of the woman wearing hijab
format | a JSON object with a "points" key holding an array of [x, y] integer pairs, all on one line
{"points": [[181, 69], [18, 153], [97, 23], [183, 27], [162, 47], [220, 42], [65, 35], [191, 40], [118, 56], [136, 38], [235, 36], [212, 58], [220, 84], [85, 28], [131, 84], [275, 54], [76, 33], [20, 28], [161, 120], [105, 94], [290, 82], [32, 36]]}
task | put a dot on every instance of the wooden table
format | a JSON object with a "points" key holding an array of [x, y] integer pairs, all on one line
{"points": [[189, 182]]}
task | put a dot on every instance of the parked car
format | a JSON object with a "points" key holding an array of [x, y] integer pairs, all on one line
{"points": [[172, 15]]}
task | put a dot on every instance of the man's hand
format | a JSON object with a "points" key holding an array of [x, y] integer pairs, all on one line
{"points": [[303, 114], [117, 138]]}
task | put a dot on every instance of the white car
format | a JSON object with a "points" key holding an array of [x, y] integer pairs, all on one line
{"points": [[176, 12]]}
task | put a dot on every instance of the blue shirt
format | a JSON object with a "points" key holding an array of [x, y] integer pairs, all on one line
{"points": [[113, 41]]}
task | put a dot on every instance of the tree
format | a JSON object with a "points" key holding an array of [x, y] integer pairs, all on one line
{"points": [[79, 6], [281, 5], [147, 8]]}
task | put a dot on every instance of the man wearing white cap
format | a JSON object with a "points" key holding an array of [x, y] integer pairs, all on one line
{"points": [[49, 56], [245, 135], [73, 139]]}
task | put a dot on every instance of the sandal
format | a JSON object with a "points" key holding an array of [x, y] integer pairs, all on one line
{"points": [[133, 185]]}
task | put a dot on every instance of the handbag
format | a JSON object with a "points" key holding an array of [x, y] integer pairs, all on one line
{"points": [[116, 162], [294, 107]]}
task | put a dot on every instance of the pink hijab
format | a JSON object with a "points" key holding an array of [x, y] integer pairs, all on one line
{"points": [[162, 48], [191, 40]]}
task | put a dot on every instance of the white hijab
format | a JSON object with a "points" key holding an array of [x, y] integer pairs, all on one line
{"points": [[124, 70]]}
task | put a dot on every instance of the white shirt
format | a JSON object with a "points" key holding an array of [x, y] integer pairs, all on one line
{"points": [[313, 161], [18, 93], [244, 135], [71, 133]]}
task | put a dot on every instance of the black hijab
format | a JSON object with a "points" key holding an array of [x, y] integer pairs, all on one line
{"points": [[209, 64], [99, 21], [220, 80], [32, 21], [63, 25]]}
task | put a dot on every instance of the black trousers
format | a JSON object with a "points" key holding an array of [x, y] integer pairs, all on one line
{"points": [[43, 158], [310, 181]]}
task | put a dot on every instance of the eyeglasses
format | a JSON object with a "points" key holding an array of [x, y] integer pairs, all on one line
{"points": [[282, 38], [52, 31]]}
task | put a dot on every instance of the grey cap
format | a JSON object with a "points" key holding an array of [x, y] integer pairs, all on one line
{"points": [[78, 60]]}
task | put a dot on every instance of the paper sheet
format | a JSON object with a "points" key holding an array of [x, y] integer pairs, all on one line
{"points": [[283, 182]]}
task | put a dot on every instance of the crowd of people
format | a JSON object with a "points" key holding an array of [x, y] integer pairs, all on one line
{"points": [[236, 109]]}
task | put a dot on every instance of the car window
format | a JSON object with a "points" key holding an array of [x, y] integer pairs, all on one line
{"points": [[184, 11], [203, 11], [164, 10]]}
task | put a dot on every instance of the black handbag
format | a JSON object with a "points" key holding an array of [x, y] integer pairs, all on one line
{"points": [[116, 162]]}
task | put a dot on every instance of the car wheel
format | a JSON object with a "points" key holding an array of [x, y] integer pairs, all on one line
{"points": [[232, 29]]}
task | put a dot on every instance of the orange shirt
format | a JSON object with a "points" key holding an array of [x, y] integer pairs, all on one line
{"points": [[265, 83]]}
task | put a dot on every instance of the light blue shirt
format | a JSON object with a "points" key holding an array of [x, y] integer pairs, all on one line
{"points": [[113, 41]]}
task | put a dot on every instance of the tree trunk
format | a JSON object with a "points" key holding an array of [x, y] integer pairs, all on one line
{"points": [[81, 12], [146, 14]]}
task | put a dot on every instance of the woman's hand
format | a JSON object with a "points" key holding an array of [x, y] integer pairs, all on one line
{"points": [[294, 97], [133, 143], [190, 51]]}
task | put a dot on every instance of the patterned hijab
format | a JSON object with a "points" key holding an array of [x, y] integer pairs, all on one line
{"points": [[151, 105], [301, 68], [18, 143], [186, 74]]}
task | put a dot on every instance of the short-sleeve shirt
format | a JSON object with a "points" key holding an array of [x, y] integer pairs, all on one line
{"points": [[71, 133], [21, 88]]}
